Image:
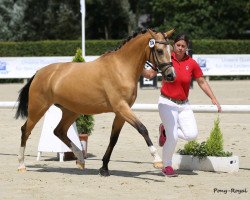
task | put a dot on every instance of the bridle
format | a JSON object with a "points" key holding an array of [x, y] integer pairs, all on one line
{"points": [[161, 66]]}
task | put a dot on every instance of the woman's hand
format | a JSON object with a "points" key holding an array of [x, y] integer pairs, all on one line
{"points": [[149, 73], [206, 88], [215, 102]]}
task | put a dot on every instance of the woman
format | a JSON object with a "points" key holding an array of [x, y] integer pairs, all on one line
{"points": [[174, 108]]}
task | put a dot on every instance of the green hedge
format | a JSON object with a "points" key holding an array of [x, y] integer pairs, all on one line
{"points": [[221, 46], [55, 47], [98, 47]]}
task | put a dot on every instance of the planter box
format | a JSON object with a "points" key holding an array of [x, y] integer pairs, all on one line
{"points": [[210, 163], [84, 142]]}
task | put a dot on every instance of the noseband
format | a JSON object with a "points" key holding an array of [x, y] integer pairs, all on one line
{"points": [[161, 66]]}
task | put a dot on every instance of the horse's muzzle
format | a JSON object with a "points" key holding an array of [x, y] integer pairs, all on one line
{"points": [[167, 71], [170, 77]]}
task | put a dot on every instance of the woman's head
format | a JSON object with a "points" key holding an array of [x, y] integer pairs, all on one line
{"points": [[181, 43], [181, 36]]}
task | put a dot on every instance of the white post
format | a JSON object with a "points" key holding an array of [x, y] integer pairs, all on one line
{"points": [[82, 2]]}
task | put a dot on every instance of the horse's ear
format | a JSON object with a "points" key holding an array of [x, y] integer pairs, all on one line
{"points": [[169, 33], [151, 33]]}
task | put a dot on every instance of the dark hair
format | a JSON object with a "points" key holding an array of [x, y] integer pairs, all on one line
{"points": [[182, 36]]}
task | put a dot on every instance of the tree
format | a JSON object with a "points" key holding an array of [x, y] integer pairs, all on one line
{"points": [[52, 19], [230, 18], [116, 19], [39, 20], [203, 18], [142, 10], [108, 19], [64, 20], [11, 19]]}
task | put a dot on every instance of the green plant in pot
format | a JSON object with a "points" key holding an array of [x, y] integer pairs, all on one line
{"points": [[212, 147], [84, 123]]}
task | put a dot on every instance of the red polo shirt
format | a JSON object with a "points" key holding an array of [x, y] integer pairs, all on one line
{"points": [[185, 70]]}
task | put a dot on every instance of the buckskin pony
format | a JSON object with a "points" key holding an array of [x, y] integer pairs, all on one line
{"points": [[107, 84]]}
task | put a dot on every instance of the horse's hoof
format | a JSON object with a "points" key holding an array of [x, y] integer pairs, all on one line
{"points": [[21, 169], [104, 172], [158, 165], [80, 165]]}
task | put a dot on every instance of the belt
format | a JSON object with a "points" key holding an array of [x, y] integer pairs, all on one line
{"points": [[177, 101]]}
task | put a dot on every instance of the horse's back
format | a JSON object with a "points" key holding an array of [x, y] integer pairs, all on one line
{"points": [[70, 84], [57, 73]]}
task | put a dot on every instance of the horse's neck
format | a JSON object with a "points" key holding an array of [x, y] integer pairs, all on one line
{"points": [[133, 54]]}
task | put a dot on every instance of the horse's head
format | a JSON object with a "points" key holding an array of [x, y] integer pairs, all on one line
{"points": [[160, 54]]}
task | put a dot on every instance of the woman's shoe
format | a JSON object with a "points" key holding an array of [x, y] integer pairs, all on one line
{"points": [[162, 135], [169, 172]]}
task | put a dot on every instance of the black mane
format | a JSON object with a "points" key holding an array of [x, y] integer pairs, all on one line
{"points": [[143, 31]]}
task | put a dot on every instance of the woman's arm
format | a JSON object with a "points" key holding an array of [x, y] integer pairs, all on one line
{"points": [[206, 88], [149, 73]]}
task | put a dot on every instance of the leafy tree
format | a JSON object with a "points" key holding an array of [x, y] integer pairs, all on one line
{"points": [[230, 18], [64, 20], [34, 20], [40, 20], [116, 19], [203, 18], [11, 18], [141, 8], [108, 19], [52, 19]]}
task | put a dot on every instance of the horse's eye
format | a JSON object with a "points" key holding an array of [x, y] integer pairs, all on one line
{"points": [[160, 51]]}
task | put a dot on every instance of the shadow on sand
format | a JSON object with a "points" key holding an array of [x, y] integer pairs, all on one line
{"points": [[144, 175]]}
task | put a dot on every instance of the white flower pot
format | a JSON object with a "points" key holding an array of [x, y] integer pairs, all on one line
{"points": [[209, 163]]}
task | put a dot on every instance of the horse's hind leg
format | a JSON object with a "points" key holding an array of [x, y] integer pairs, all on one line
{"points": [[68, 117], [116, 129], [34, 116]]}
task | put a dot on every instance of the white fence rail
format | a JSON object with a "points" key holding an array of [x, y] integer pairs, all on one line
{"points": [[154, 107], [198, 108]]}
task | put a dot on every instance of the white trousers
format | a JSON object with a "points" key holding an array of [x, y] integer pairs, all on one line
{"points": [[179, 122]]}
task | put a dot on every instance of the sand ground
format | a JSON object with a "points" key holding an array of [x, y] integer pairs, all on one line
{"points": [[132, 173]]}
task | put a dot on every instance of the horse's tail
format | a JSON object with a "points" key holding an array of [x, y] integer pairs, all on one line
{"points": [[23, 99]]}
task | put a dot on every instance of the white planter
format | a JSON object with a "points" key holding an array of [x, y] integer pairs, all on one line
{"points": [[210, 163]]}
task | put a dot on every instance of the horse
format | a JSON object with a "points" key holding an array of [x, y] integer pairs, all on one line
{"points": [[107, 84]]}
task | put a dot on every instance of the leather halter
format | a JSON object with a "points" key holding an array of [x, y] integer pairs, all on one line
{"points": [[161, 66]]}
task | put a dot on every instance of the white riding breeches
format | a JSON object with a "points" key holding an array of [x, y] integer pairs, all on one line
{"points": [[179, 122]]}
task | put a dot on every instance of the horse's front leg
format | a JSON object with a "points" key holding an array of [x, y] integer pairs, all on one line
{"points": [[116, 129], [129, 116], [157, 163]]}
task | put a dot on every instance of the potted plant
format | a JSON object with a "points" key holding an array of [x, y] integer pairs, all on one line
{"points": [[84, 123], [208, 155]]}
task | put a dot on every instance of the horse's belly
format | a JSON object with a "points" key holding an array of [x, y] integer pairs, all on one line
{"points": [[85, 105]]}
